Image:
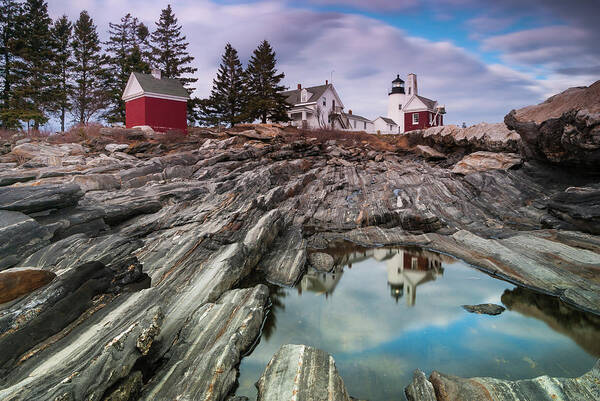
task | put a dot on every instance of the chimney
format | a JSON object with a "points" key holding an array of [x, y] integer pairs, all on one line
{"points": [[350, 112], [156, 73], [326, 82], [299, 86]]}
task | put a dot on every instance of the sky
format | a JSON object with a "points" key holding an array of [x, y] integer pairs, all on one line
{"points": [[479, 58]]}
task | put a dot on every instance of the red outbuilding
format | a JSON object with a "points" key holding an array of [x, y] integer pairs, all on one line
{"points": [[156, 102]]}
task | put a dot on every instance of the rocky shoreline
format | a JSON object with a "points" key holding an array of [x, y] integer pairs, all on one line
{"points": [[128, 249]]}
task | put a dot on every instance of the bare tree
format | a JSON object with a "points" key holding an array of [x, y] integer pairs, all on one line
{"points": [[325, 119]]}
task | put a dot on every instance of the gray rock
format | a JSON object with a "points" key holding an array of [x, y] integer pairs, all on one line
{"points": [[20, 235], [30, 199], [301, 373], [420, 389], [485, 309], [543, 388], [321, 261], [485, 161], [286, 260], [116, 147]]}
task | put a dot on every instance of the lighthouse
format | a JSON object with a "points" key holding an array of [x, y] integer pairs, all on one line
{"points": [[396, 101]]}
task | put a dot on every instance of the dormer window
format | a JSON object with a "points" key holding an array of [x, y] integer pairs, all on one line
{"points": [[304, 96]]}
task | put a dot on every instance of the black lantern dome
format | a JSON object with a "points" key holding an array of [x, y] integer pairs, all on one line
{"points": [[397, 85]]}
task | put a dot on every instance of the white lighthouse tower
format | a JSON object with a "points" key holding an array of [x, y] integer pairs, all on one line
{"points": [[396, 100]]}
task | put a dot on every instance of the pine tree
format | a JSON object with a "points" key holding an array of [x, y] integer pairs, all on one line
{"points": [[170, 55], [170, 49], [127, 50], [88, 96], [9, 26], [35, 89], [227, 100], [264, 91], [61, 39]]}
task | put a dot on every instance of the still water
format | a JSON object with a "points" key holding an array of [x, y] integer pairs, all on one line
{"points": [[384, 312]]}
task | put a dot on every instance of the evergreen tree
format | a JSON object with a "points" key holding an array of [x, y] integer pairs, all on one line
{"points": [[35, 89], [170, 55], [227, 101], [170, 49], [127, 50], [61, 38], [9, 26], [88, 96], [264, 91]]}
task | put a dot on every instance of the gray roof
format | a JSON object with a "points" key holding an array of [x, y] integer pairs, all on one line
{"points": [[428, 102], [293, 96], [356, 117], [388, 120], [163, 86]]}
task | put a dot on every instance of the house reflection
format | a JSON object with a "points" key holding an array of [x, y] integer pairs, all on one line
{"points": [[407, 268]]}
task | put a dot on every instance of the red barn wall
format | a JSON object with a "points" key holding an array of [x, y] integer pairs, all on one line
{"points": [[161, 114]]}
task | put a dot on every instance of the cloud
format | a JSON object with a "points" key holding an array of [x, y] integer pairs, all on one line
{"points": [[363, 53]]}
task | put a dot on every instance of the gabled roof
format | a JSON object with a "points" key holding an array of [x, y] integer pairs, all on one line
{"points": [[145, 84], [387, 120], [293, 96], [427, 103], [356, 117]]}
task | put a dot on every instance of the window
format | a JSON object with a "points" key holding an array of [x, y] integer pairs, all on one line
{"points": [[399, 107], [324, 101], [415, 118], [409, 88], [414, 263], [333, 104], [365, 123], [354, 123]]}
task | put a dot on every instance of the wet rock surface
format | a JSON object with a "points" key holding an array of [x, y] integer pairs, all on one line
{"points": [[149, 247], [301, 373]]}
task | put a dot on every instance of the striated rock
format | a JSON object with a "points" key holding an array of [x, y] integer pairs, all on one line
{"points": [[301, 373], [128, 390], [578, 207], [32, 199], [20, 235], [19, 281], [116, 147], [321, 261], [46, 153], [429, 153], [483, 136], [485, 161], [485, 309], [543, 388], [208, 348], [285, 262], [420, 389]]}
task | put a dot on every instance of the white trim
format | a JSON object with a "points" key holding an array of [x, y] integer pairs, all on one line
{"points": [[413, 118], [155, 95]]}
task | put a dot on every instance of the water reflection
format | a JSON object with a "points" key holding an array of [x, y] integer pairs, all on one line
{"points": [[378, 339]]}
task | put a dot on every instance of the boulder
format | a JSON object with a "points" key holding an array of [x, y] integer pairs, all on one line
{"points": [[301, 373], [31, 199], [420, 389], [321, 261], [97, 182], [47, 154], [20, 235], [428, 152], [570, 139], [116, 147], [543, 388], [488, 137], [485, 309], [19, 281], [485, 161]]}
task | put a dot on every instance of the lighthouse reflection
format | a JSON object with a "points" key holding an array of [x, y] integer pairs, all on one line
{"points": [[407, 268]]}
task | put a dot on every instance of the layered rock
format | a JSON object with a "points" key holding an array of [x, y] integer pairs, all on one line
{"points": [[301, 373], [486, 137], [485, 161]]}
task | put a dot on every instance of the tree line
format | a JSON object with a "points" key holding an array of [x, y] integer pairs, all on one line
{"points": [[61, 68]]}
